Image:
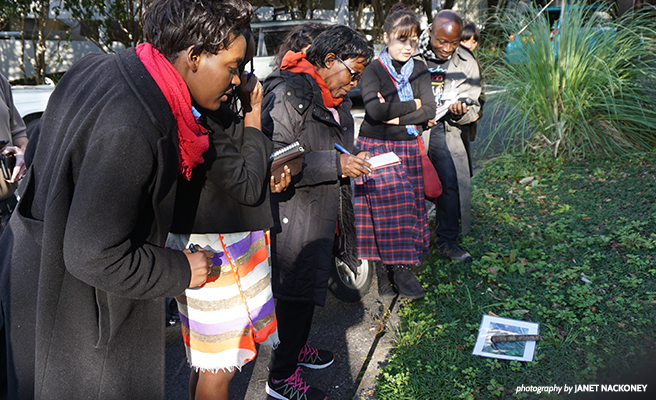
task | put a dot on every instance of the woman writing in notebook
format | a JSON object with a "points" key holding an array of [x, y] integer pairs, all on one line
{"points": [[391, 221]]}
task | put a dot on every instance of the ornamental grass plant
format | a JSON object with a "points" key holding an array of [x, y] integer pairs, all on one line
{"points": [[568, 243], [587, 86]]}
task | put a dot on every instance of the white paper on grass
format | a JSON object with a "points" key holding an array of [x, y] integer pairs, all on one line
{"points": [[491, 326], [384, 160]]}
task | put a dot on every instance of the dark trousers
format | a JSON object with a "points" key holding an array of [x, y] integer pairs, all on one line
{"points": [[448, 204], [294, 322], [6, 208]]}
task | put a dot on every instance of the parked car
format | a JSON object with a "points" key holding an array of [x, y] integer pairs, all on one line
{"points": [[269, 36], [31, 102]]}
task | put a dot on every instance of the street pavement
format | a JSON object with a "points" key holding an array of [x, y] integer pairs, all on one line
{"points": [[350, 330]]}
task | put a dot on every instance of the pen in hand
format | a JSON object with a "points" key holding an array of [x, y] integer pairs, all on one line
{"points": [[192, 248], [343, 150]]}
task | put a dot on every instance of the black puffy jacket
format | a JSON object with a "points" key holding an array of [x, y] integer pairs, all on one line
{"points": [[306, 214]]}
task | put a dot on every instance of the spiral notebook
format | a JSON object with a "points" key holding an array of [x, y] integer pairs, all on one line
{"points": [[291, 156]]}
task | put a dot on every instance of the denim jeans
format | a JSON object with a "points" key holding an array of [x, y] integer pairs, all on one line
{"points": [[448, 204]]}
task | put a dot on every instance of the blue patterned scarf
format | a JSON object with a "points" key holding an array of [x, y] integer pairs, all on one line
{"points": [[401, 81]]}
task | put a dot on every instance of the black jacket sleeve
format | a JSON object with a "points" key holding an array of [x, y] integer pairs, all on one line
{"points": [[104, 242], [240, 174], [371, 85], [285, 125], [422, 91]]}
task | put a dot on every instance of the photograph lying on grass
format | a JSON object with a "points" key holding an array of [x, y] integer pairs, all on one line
{"points": [[512, 350]]}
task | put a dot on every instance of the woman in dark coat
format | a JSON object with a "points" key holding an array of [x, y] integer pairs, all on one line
{"points": [[83, 274], [305, 101]]}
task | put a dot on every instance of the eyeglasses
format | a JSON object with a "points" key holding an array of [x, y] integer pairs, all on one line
{"points": [[354, 76]]}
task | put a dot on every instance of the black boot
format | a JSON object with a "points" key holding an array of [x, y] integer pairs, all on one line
{"points": [[385, 288], [406, 282]]}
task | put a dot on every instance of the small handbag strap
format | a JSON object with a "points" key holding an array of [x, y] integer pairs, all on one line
{"points": [[422, 149], [233, 267]]}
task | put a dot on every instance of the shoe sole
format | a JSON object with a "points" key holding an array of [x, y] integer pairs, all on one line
{"points": [[388, 297], [465, 259], [273, 393], [277, 395], [317, 366]]}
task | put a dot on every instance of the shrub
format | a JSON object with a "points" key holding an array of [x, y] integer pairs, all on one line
{"points": [[589, 86]]}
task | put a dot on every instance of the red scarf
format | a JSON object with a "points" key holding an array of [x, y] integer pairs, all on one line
{"points": [[296, 62], [192, 137]]}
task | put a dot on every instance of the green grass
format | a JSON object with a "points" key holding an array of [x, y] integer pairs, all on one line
{"points": [[533, 243]]}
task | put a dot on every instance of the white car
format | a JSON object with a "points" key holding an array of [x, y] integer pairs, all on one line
{"points": [[31, 102], [268, 37]]}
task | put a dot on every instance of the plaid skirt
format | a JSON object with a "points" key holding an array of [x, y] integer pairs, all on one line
{"points": [[390, 212]]}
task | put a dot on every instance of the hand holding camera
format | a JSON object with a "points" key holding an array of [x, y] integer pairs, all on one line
{"points": [[11, 162]]}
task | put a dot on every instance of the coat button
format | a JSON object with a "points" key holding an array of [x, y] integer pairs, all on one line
{"points": [[300, 106], [285, 220], [344, 128], [289, 93]]}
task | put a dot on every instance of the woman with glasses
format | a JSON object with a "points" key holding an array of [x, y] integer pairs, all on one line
{"points": [[305, 101], [391, 221]]}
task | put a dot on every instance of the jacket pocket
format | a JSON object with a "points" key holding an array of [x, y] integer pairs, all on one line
{"points": [[102, 308], [30, 226]]}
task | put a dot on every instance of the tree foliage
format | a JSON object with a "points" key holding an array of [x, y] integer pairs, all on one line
{"points": [[40, 12], [105, 22]]}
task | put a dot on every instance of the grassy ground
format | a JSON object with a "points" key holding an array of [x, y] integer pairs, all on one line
{"points": [[570, 245]]}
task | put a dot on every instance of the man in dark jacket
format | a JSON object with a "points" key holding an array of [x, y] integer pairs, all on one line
{"points": [[454, 75], [306, 101], [83, 274]]}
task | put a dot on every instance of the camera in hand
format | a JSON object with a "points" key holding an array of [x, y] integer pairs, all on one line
{"points": [[468, 100], [7, 164]]}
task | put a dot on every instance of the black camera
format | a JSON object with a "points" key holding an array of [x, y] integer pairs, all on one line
{"points": [[7, 164]]}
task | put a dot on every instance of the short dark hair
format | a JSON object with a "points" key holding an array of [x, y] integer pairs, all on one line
{"points": [[298, 38], [209, 25], [469, 30], [342, 41], [448, 15], [402, 21]]}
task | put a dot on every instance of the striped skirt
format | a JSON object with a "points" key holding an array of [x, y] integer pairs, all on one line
{"points": [[390, 212], [234, 309]]}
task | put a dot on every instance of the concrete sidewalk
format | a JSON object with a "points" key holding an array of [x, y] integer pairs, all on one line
{"points": [[350, 330]]}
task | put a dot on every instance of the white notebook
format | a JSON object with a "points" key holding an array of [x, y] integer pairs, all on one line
{"points": [[384, 160]]}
